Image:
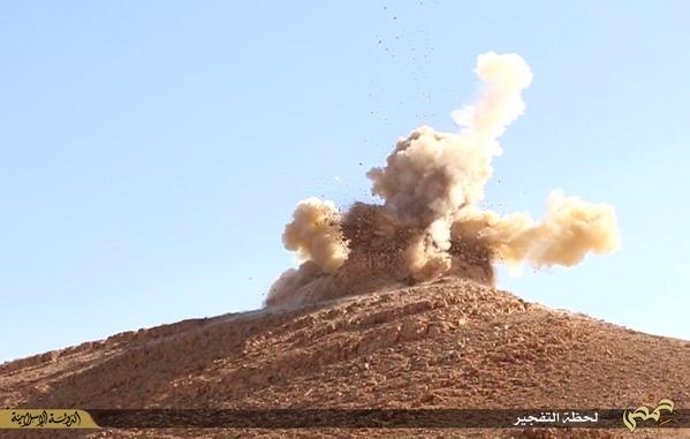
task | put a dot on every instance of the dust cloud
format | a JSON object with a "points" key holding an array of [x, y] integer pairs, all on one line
{"points": [[429, 224], [315, 234]]}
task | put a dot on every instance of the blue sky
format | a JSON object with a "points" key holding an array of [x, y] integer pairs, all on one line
{"points": [[151, 152]]}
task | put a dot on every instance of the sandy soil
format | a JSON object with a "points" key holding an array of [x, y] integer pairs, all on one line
{"points": [[446, 344]]}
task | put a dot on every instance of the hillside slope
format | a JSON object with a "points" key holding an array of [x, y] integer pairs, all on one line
{"points": [[450, 344]]}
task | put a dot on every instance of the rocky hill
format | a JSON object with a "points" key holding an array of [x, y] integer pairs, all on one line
{"points": [[447, 344]]}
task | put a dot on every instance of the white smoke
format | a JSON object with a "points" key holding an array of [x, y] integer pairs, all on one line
{"points": [[429, 224]]}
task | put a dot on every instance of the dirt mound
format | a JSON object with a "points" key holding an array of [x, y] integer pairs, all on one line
{"points": [[447, 344]]}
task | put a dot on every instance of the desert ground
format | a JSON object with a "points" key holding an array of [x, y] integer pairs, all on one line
{"points": [[450, 343]]}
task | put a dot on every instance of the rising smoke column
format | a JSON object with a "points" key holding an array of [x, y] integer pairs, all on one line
{"points": [[431, 175], [429, 224]]}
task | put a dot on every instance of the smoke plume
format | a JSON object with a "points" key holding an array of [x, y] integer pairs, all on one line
{"points": [[429, 224], [570, 230], [315, 234]]}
